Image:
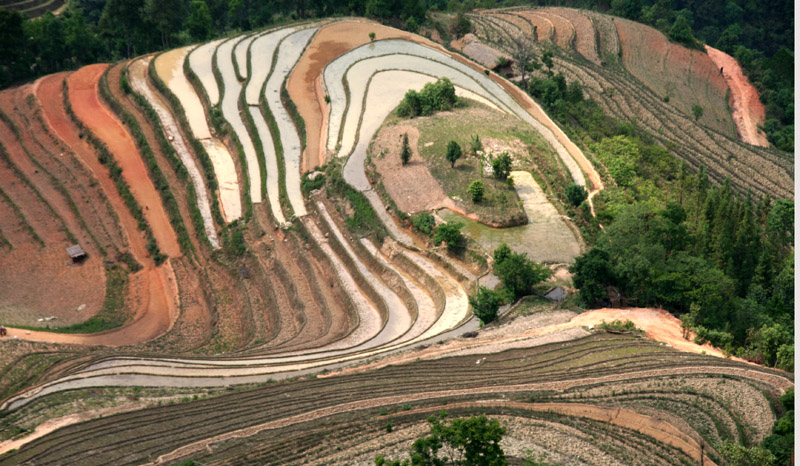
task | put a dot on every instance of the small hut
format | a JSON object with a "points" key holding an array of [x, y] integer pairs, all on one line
{"points": [[76, 253]]}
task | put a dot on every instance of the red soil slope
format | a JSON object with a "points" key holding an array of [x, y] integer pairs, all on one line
{"points": [[688, 77], [83, 94], [152, 291], [748, 111]]}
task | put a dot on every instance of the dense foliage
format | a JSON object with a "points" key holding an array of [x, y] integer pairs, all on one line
{"points": [[724, 263], [450, 234], [433, 97], [485, 304], [516, 272], [473, 441]]}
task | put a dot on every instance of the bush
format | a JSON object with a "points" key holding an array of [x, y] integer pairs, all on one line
{"points": [[476, 191], [576, 194], [405, 153], [485, 303], [517, 273], [475, 144], [424, 222], [453, 153], [501, 166], [450, 234], [434, 97], [461, 26]]}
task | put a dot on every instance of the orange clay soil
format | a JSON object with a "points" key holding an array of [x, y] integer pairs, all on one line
{"points": [[83, 94], [305, 87], [748, 111], [152, 292]]}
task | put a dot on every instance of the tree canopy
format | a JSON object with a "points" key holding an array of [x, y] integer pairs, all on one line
{"points": [[473, 441]]}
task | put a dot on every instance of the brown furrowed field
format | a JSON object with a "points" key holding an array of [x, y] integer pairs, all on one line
{"points": [[634, 88], [590, 373]]}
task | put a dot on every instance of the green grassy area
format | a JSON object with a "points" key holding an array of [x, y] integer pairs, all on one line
{"points": [[500, 204]]}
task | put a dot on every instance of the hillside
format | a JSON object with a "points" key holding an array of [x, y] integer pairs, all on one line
{"points": [[259, 286]]}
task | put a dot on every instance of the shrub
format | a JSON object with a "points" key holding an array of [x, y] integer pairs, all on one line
{"points": [[475, 144], [449, 233], [485, 303], [518, 273], [405, 153], [461, 26], [501, 166], [576, 194], [434, 97], [476, 191], [424, 222], [453, 153]]}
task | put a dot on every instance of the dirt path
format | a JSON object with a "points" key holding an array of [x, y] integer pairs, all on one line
{"points": [[83, 94], [658, 324], [748, 111]]}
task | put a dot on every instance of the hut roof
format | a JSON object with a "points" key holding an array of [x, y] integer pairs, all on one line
{"points": [[75, 251]]}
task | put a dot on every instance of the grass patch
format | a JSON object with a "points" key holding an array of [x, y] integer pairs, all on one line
{"points": [[500, 204]]}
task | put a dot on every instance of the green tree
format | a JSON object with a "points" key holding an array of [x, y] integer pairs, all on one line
{"points": [[16, 55], [630, 9], [592, 272], [199, 23], [372, 37], [576, 194], [485, 303], [405, 153], [424, 222], [167, 16], [681, 32], [518, 273], [697, 111], [453, 153], [461, 26], [122, 25], [475, 190], [473, 441], [449, 233], [780, 222], [501, 166]]}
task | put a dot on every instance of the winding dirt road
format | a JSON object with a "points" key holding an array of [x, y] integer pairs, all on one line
{"points": [[747, 110]]}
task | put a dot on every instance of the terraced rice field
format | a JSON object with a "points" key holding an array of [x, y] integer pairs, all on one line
{"points": [[628, 82], [251, 291]]}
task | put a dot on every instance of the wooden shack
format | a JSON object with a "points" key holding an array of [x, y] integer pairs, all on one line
{"points": [[76, 253]]}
